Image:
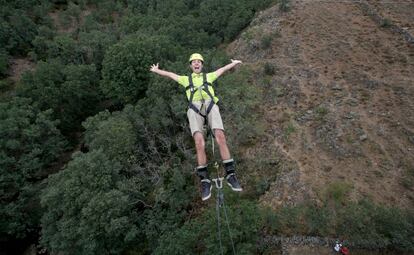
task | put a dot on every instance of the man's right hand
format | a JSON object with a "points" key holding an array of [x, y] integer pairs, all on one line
{"points": [[154, 68]]}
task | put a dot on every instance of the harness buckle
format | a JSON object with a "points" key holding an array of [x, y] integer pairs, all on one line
{"points": [[219, 182]]}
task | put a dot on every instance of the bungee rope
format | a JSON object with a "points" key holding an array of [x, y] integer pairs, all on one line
{"points": [[220, 200], [219, 180]]}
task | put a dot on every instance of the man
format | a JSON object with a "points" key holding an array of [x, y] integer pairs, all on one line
{"points": [[202, 109]]}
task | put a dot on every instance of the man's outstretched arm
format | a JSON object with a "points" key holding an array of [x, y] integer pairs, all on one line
{"points": [[225, 68], [157, 70]]}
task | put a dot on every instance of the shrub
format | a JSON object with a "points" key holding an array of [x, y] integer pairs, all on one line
{"points": [[284, 5], [321, 113], [20, 30], [197, 236], [29, 143], [93, 46], [338, 192], [385, 23], [115, 135], [269, 69], [4, 62], [86, 210], [126, 71], [65, 48], [71, 91], [266, 41]]}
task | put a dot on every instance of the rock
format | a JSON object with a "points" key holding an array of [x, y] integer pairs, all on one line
{"points": [[363, 137], [336, 86]]}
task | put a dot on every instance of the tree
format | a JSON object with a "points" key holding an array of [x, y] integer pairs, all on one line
{"points": [[199, 236], [114, 134], [86, 209], [4, 62], [66, 49], [71, 91], [22, 32], [125, 70], [29, 143], [93, 46]]}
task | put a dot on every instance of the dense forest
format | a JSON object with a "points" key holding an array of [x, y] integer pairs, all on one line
{"points": [[95, 151]]}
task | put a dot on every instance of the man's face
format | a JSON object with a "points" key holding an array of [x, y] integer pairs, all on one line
{"points": [[196, 65]]}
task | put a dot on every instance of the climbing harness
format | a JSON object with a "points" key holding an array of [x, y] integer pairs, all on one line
{"points": [[220, 202], [204, 87]]}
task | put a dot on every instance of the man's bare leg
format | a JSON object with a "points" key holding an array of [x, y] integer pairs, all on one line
{"points": [[228, 162], [202, 170], [221, 141], [200, 148]]}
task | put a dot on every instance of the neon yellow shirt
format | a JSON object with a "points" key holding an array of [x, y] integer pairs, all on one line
{"points": [[197, 82]]}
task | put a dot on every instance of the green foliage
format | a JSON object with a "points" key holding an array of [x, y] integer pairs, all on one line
{"points": [[125, 71], [141, 140], [71, 91], [93, 46], [284, 5], [16, 32], [86, 210], [115, 136], [29, 143], [365, 224], [266, 41], [386, 23], [375, 226], [199, 236], [5, 85], [4, 62], [338, 192], [239, 102], [269, 69], [321, 113], [224, 20], [66, 49], [289, 130]]}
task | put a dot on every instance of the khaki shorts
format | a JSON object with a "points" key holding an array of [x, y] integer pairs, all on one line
{"points": [[197, 121]]}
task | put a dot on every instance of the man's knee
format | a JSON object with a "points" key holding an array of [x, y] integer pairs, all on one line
{"points": [[220, 137], [199, 141]]}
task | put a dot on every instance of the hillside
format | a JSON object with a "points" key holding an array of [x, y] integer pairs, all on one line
{"points": [[95, 151], [338, 107]]}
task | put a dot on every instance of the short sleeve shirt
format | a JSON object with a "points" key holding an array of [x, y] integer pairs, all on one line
{"points": [[197, 82]]}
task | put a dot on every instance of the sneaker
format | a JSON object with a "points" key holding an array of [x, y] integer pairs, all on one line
{"points": [[233, 182], [205, 189]]}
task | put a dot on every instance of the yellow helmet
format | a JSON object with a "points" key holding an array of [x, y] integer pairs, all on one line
{"points": [[196, 56]]}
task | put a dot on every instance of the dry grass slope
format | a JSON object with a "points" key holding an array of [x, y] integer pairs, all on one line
{"points": [[339, 102]]}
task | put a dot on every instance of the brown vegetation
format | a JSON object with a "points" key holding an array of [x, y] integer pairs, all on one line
{"points": [[338, 101]]}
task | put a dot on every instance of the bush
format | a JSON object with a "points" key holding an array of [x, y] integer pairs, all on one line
{"points": [[266, 42], [19, 30], [29, 143], [126, 66], [71, 91], [126, 71], [114, 134], [198, 236], [284, 5], [239, 100], [385, 23], [93, 46], [269, 69], [65, 48], [4, 62], [86, 210], [363, 223]]}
